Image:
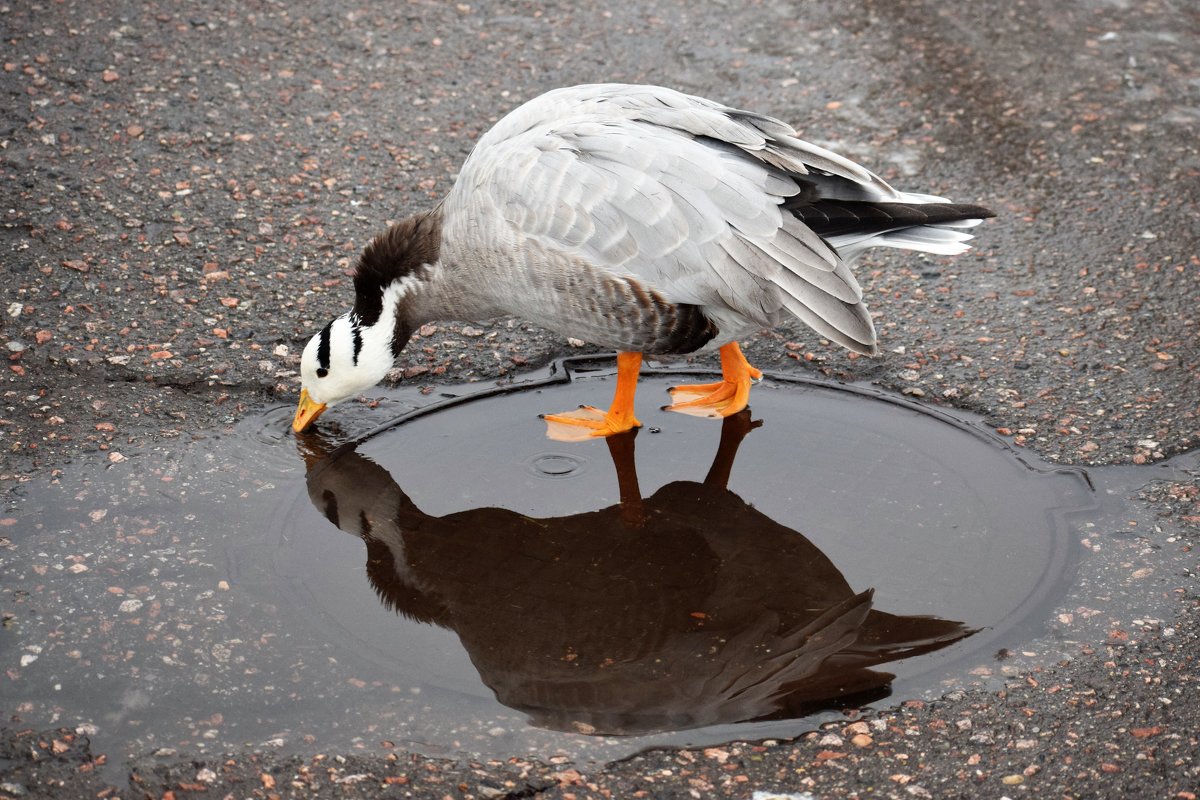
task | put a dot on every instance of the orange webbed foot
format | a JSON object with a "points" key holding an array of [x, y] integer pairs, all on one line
{"points": [[724, 398], [712, 400], [587, 422]]}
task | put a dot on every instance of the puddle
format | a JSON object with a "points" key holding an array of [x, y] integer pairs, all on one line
{"points": [[695, 583], [455, 583]]}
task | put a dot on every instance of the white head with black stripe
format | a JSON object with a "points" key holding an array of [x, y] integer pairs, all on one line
{"points": [[338, 363], [355, 351]]}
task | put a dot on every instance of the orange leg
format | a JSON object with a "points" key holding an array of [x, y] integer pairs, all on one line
{"points": [[726, 397], [587, 422]]}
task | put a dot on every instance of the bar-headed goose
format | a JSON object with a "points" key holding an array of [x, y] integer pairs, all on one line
{"points": [[640, 219]]}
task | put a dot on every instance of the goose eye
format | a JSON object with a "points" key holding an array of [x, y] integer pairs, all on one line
{"points": [[322, 372]]}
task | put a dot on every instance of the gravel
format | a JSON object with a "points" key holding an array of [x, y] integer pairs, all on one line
{"points": [[185, 190]]}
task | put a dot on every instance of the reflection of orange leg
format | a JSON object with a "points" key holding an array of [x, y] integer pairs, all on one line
{"points": [[620, 447], [733, 430], [587, 422], [728, 396]]}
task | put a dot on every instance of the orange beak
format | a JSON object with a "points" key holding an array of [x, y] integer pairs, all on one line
{"points": [[307, 412]]}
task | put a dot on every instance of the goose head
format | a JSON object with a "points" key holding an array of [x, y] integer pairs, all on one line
{"points": [[355, 351], [344, 359]]}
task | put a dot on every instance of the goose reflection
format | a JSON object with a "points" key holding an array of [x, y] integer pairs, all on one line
{"points": [[685, 609]]}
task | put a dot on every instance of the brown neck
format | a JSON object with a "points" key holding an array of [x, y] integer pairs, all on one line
{"points": [[405, 249]]}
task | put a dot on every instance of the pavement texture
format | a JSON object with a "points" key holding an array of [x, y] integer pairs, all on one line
{"points": [[185, 188]]}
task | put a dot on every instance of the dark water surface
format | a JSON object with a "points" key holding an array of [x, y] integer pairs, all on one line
{"points": [[458, 583]]}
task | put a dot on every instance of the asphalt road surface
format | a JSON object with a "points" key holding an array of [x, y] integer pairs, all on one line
{"points": [[185, 187]]}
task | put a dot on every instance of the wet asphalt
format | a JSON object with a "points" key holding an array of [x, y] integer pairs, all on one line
{"points": [[185, 189]]}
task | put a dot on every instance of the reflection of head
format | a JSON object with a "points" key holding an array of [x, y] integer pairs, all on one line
{"points": [[705, 612]]}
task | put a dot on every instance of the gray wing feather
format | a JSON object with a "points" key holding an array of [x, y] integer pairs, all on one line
{"points": [[677, 192]]}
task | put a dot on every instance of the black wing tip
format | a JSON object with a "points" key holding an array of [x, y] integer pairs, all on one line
{"points": [[972, 211], [836, 217]]}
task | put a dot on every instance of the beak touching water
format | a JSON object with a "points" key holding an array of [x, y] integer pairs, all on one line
{"points": [[307, 412]]}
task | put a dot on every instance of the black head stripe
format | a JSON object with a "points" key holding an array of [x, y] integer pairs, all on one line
{"points": [[323, 347], [357, 339]]}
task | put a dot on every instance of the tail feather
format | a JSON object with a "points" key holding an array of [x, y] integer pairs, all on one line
{"points": [[852, 227], [829, 218]]}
